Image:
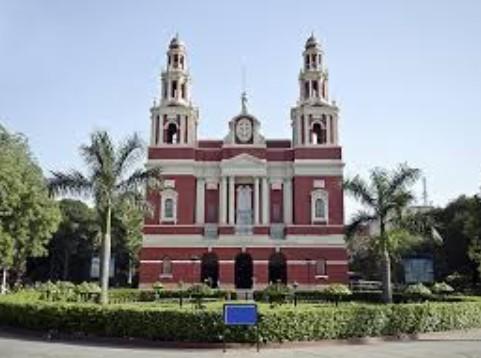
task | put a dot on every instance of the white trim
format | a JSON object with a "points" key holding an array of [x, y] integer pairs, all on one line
{"points": [[165, 195], [319, 194], [314, 241]]}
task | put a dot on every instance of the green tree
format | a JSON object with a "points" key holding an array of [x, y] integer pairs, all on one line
{"points": [[128, 223], [110, 181], [384, 198], [459, 224], [75, 237], [27, 215]]}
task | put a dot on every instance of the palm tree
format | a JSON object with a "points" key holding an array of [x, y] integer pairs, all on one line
{"points": [[387, 194], [111, 179]]}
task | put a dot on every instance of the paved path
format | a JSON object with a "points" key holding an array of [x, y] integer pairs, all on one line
{"points": [[456, 344]]}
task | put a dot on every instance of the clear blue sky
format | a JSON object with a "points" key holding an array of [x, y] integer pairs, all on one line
{"points": [[406, 74]]}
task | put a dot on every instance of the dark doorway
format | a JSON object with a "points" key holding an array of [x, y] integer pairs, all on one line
{"points": [[277, 268], [209, 269], [243, 271]]}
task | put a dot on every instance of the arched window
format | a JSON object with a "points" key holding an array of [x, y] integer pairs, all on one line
{"points": [[169, 208], [168, 211], [320, 208], [319, 133], [321, 267], [172, 134], [166, 266]]}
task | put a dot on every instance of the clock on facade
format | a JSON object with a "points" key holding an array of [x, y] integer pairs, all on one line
{"points": [[243, 130]]}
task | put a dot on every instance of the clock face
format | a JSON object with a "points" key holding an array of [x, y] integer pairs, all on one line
{"points": [[243, 130]]}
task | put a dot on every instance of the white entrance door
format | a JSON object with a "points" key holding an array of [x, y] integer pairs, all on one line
{"points": [[244, 208]]}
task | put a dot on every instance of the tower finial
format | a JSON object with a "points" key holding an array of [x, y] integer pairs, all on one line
{"points": [[244, 102], [244, 91]]}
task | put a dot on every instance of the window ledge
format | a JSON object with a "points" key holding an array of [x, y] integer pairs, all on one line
{"points": [[165, 275], [322, 277]]}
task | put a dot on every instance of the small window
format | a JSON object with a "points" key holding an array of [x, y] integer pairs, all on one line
{"points": [[166, 266], [321, 267], [169, 208], [320, 208]]}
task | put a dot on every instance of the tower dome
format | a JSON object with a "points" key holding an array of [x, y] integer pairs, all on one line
{"points": [[175, 43], [311, 42]]}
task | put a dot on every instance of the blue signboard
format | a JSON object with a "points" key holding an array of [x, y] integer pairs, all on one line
{"points": [[240, 314]]}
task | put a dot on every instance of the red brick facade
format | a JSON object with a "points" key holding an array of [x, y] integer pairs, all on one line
{"points": [[244, 210]]}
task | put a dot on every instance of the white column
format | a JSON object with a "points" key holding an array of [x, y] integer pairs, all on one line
{"points": [[231, 200], [160, 129], [223, 200], [328, 129], [182, 130], [265, 201], [287, 201], [256, 201], [306, 130], [200, 200], [298, 129]]}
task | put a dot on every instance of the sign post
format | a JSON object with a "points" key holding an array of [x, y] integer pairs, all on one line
{"points": [[236, 314]]}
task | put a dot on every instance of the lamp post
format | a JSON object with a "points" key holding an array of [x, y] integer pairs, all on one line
{"points": [[294, 286]]}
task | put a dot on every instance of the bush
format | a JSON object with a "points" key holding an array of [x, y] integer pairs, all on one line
{"points": [[442, 288], [68, 292], [284, 323], [336, 292], [417, 292], [275, 293]]}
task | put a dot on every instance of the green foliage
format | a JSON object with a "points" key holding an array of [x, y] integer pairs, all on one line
{"points": [[27, 215], [337, 292], [417, 292], [112, 181], [65, 291], [282, 324], [459, 224], [385, 197], [276, 293], [442, 288]]}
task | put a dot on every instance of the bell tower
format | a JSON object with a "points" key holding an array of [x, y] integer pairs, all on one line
{"points": [[173, 117], [314, 119]]}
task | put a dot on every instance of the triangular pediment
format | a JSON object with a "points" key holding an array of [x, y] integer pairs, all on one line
{"points": [[244, 159]]}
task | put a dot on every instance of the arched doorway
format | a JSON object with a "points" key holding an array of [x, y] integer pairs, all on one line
{"points": [[209, 269], [243, 271], [277, 268]]}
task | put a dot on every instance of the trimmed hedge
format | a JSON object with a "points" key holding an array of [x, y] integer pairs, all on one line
{"points": [[125, 295], [284, 323]]}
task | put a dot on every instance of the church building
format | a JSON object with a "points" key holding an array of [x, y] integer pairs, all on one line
{"points": [[244, 210]]}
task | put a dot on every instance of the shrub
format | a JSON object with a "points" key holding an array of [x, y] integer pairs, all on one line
{"points": [[284, 323], [442, 288], [276, 293], [198, 292], [417, 292], [68, 292], [337, 292]]}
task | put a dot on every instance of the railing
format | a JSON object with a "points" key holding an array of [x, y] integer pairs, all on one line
{"points": [[244, 222], [362, 285], [211, 231], [277, 231]]}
